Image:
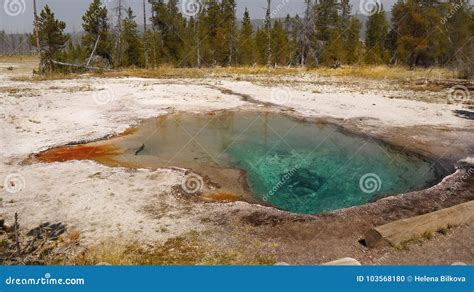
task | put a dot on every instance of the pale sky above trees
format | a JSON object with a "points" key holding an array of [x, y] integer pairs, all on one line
{"points": [[71, 11]]}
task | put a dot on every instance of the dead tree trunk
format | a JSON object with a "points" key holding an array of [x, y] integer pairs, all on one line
{"points": [[93, 51], [198, 42], [74, 65], [145, 51], [42, 65], [268, 27], [305, 39], [35, 12], [119, 34]]}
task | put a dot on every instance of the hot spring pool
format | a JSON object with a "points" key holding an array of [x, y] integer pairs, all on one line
{"points": [[293, 165]]}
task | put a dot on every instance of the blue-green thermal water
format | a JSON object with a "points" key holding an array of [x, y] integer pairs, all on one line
{"points": [[296, 166]]}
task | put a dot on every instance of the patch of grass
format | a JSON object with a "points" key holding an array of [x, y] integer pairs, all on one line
{"points": [[3, 244], [387, 72], [423, 237], [166, 72], [427, 236], [56, 76], [49, 77], [363, 71], [188, 249], [415, 240], [173, 72], [19, 58], [445, 230]]}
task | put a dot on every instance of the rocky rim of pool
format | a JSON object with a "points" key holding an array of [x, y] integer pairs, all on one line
{"points": [[267, 158]]}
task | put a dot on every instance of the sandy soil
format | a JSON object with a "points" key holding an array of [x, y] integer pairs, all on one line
{"points": [[122, 204]]}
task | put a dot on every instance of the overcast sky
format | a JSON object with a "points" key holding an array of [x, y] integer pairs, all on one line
{"points": [[71, 11]]}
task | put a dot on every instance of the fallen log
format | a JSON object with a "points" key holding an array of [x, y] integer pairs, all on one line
{"points": [[75, 65], [397, 232]]}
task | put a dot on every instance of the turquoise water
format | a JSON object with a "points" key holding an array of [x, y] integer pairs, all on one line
{"points": [[292, 165]]}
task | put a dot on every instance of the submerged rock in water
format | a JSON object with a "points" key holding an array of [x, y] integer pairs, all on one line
{"points": [[140, 149], [303, 182]]}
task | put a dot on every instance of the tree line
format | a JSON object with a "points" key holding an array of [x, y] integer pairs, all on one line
{"points": [[420, 33]]}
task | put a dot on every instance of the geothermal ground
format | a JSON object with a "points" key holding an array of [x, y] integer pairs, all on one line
{"points": [[141, 206]]}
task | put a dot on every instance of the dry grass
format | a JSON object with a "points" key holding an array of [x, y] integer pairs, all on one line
{"points": [[166, 71], [187, 249], [369, 72], [405, 245], [386, 72], [18, 65], [19, 58], [173, 72]]}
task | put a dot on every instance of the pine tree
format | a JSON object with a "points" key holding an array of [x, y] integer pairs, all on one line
{"points": [[96, 38], [52, 39], [246, 42], [190, 44], [353, 45], [170, 24], [333, 52], [326, 18], [152, 42], [261, 41], [74, 53], [211, 39], [328, 40], [280, 44], [346, 17], [350, 27], [376, 38], [133, 47], [228, 30], [459, 32], [419, 37]]}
